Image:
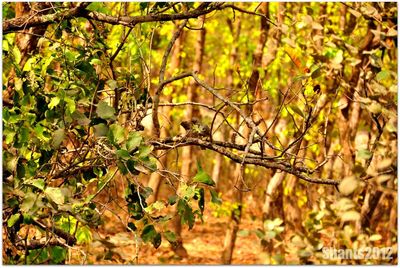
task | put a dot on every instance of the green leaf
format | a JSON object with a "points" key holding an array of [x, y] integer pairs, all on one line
{"points": [[270, 235], [214, 197], [121, 166], [55, 194], [58, 137], [70, 105], [170, 236], [83, 235], [316, 73], [186, 213], [116, 134], [143, 5], [100, 130], [297, 110], [150, 163], [243, 233], [123, 154], [31, 203], [57, 254], [54, 102], [172, 199], [201, 200], [13, 219], [145, 150], [12, 202], [156, 241], [105, 111], [134, 140], [260, 234], [39, 183], [148, 233], [80, 118], [202, 176], [99, 7], [95, 61], [130, 164], [364, 154], [27, 219], [383, 75], [112, 84]]}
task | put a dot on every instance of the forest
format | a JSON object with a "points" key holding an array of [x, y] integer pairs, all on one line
{"points": [[199, 133]]}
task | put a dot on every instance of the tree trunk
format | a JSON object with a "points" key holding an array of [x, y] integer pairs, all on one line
{"points": [[233, 226], [155, 178], [187, 151]]}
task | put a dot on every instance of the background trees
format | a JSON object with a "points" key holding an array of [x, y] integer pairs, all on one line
{"points": [[294, 105]]}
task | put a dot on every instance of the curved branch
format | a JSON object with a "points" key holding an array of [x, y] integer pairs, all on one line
{"points": [[29, 21], [299, 172], [80, 10]]}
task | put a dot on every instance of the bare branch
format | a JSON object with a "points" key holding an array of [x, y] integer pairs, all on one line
{"points": [[26, 22], [222, 149]]}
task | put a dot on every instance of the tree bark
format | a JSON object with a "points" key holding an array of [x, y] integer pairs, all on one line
{"points": [[187, 151], [233, 227], [155, 178]]}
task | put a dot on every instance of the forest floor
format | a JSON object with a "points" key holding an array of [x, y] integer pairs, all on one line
{"points": [[204, 244]]}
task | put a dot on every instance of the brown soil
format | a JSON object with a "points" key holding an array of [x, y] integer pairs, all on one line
{"points": [[204, 244]]}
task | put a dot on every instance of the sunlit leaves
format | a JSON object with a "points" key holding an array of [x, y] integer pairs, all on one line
{"points": [[351, 215], [348, 185], [31, 203], [55, 195], [364, 154], [54, 102], [13, 219], [83, 235]]}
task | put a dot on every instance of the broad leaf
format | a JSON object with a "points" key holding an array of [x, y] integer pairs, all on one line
{"points": [[105, 111], [13, 219], [55, 194], [58, 137], [348, 185], [116, 134], [215, 198], [123, 154], [186, 213], [170, 236], [134, 140], [202, 176]]}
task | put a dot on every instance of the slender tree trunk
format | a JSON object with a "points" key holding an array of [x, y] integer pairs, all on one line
{"points": [[187, 151], [233, 226], [155, 178], [273, 195], [229, 78], [217, 164]]}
